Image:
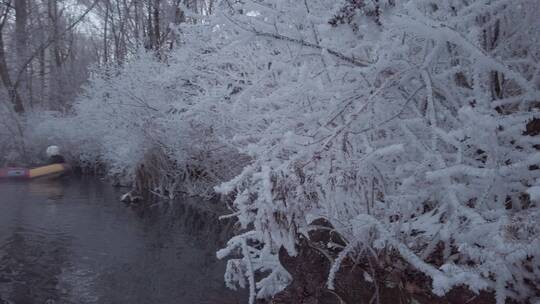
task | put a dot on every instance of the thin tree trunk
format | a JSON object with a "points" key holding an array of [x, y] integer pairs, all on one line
{"points": [[42, 76], [150, 29], [138, 23], [55, 93], [21, 41], [105, 28], [14, 96], [157, 29]]}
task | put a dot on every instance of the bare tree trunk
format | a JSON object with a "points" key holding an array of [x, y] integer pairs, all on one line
{"points": [[157, 28], [21, 41], [30, 86], [150, 44], [42, 76], [55, 93], [14, 96], [21, 21], [138, 23], [122, 20], [105, 33]]}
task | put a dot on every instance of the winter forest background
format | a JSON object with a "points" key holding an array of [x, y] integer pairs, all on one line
{"points": [[406, 128]]}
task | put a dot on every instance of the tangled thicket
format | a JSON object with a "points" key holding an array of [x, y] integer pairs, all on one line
{"points": [[410, 126]]}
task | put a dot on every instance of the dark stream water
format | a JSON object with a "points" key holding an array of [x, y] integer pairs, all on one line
{"points": [[72, 241]]}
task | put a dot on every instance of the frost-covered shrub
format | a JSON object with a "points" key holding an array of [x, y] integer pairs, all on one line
{"points": [[403, 124], [149, 122]]}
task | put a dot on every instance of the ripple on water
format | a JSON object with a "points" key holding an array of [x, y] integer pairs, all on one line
{"points": [[73, 242]]}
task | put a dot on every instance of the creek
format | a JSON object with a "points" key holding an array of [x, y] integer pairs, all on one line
{"points": [[72, 241]]}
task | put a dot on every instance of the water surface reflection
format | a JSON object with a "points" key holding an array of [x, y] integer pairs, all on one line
{"points": [[73, 242]]}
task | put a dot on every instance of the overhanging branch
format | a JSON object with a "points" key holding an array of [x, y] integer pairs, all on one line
{"points": [[277, 36]]}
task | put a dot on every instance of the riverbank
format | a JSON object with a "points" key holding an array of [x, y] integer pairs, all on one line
{"points": [[367, 277]]}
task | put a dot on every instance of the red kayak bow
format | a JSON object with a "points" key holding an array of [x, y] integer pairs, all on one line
{"points": [[17, 173]]}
